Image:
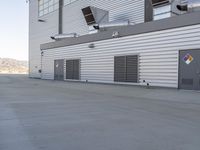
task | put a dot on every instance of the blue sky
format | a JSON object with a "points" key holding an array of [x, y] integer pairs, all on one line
{"points": [[14, 29]]}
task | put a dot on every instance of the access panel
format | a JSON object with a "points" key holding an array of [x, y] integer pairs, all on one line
{"points": [[73, 69], [189, 69], [120, 69], [126, 68], [59, 69]]}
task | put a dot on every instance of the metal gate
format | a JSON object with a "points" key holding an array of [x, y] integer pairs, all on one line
{"points": [[59, 69], [189, 69]]}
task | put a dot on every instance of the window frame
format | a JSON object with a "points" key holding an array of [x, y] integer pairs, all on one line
{"points": [[46, 7]]}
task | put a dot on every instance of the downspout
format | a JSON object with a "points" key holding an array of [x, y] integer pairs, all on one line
{"points": [[148, 11], [60, 17]]}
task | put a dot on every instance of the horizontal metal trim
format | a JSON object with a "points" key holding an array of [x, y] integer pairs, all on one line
{"points": [[159, 25]]}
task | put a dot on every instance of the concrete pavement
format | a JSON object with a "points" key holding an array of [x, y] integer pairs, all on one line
{"points": [[52, 115]]}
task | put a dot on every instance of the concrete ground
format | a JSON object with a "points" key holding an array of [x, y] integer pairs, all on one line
{"points": [[49, 115]]}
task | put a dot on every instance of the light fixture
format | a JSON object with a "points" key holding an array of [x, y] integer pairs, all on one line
{"points": [[91, 45], [115, 34], [41, 20]]}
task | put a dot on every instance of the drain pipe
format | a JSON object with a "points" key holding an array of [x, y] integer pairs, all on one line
{"points": [[60, 17], [117, 23]]}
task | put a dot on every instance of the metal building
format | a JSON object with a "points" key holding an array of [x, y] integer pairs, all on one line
{"points": [[136, 42]]}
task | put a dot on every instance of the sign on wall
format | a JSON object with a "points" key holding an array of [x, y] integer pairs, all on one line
{"points": [[188, 59]]}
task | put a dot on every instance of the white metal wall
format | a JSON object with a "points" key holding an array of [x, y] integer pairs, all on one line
{"points": [[158, 56], [118, 10], [73, 21], [39, 32]]}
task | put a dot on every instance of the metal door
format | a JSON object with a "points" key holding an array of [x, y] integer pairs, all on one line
{"points": [[189, 69], [59, 69]]}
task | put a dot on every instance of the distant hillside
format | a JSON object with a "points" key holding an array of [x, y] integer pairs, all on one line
{"points": [[13, 66]]}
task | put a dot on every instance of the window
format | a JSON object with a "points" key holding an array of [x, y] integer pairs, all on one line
{"points": [[73, 69], [162, 12], [47, 6], [126, 68]]}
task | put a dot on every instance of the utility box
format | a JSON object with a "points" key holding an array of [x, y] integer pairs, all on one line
{"points": [[166, 8]]}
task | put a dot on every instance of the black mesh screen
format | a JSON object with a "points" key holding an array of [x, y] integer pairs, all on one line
{"points": [[126, 68], [88, 15]]}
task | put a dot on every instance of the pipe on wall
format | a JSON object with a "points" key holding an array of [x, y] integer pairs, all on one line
{"points": [[60, 17]]}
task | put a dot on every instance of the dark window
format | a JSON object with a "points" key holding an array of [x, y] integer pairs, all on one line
{"points": [[126, 69], [73, 69]]}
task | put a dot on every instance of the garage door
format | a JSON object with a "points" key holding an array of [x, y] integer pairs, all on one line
{"points": [[189, 69], [59, 69]]}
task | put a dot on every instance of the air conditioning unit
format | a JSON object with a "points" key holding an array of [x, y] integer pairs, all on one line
{"points": [[190, 6], [166, 8], [94, 15], [88, 15]]}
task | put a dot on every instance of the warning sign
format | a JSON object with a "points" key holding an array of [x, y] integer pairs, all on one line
{"points": [[188, 59]]}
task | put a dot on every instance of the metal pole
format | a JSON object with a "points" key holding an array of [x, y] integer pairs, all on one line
{"points": [[60, 17]]}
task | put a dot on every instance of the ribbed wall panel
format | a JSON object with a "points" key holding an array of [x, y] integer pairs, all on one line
{"points": [[39, 32], [158, 56], [74, 21]]}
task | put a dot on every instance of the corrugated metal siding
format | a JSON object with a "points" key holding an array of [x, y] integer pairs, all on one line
{"points": [[158, 56], [73, 21], [118, 10], [39, 32]]}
